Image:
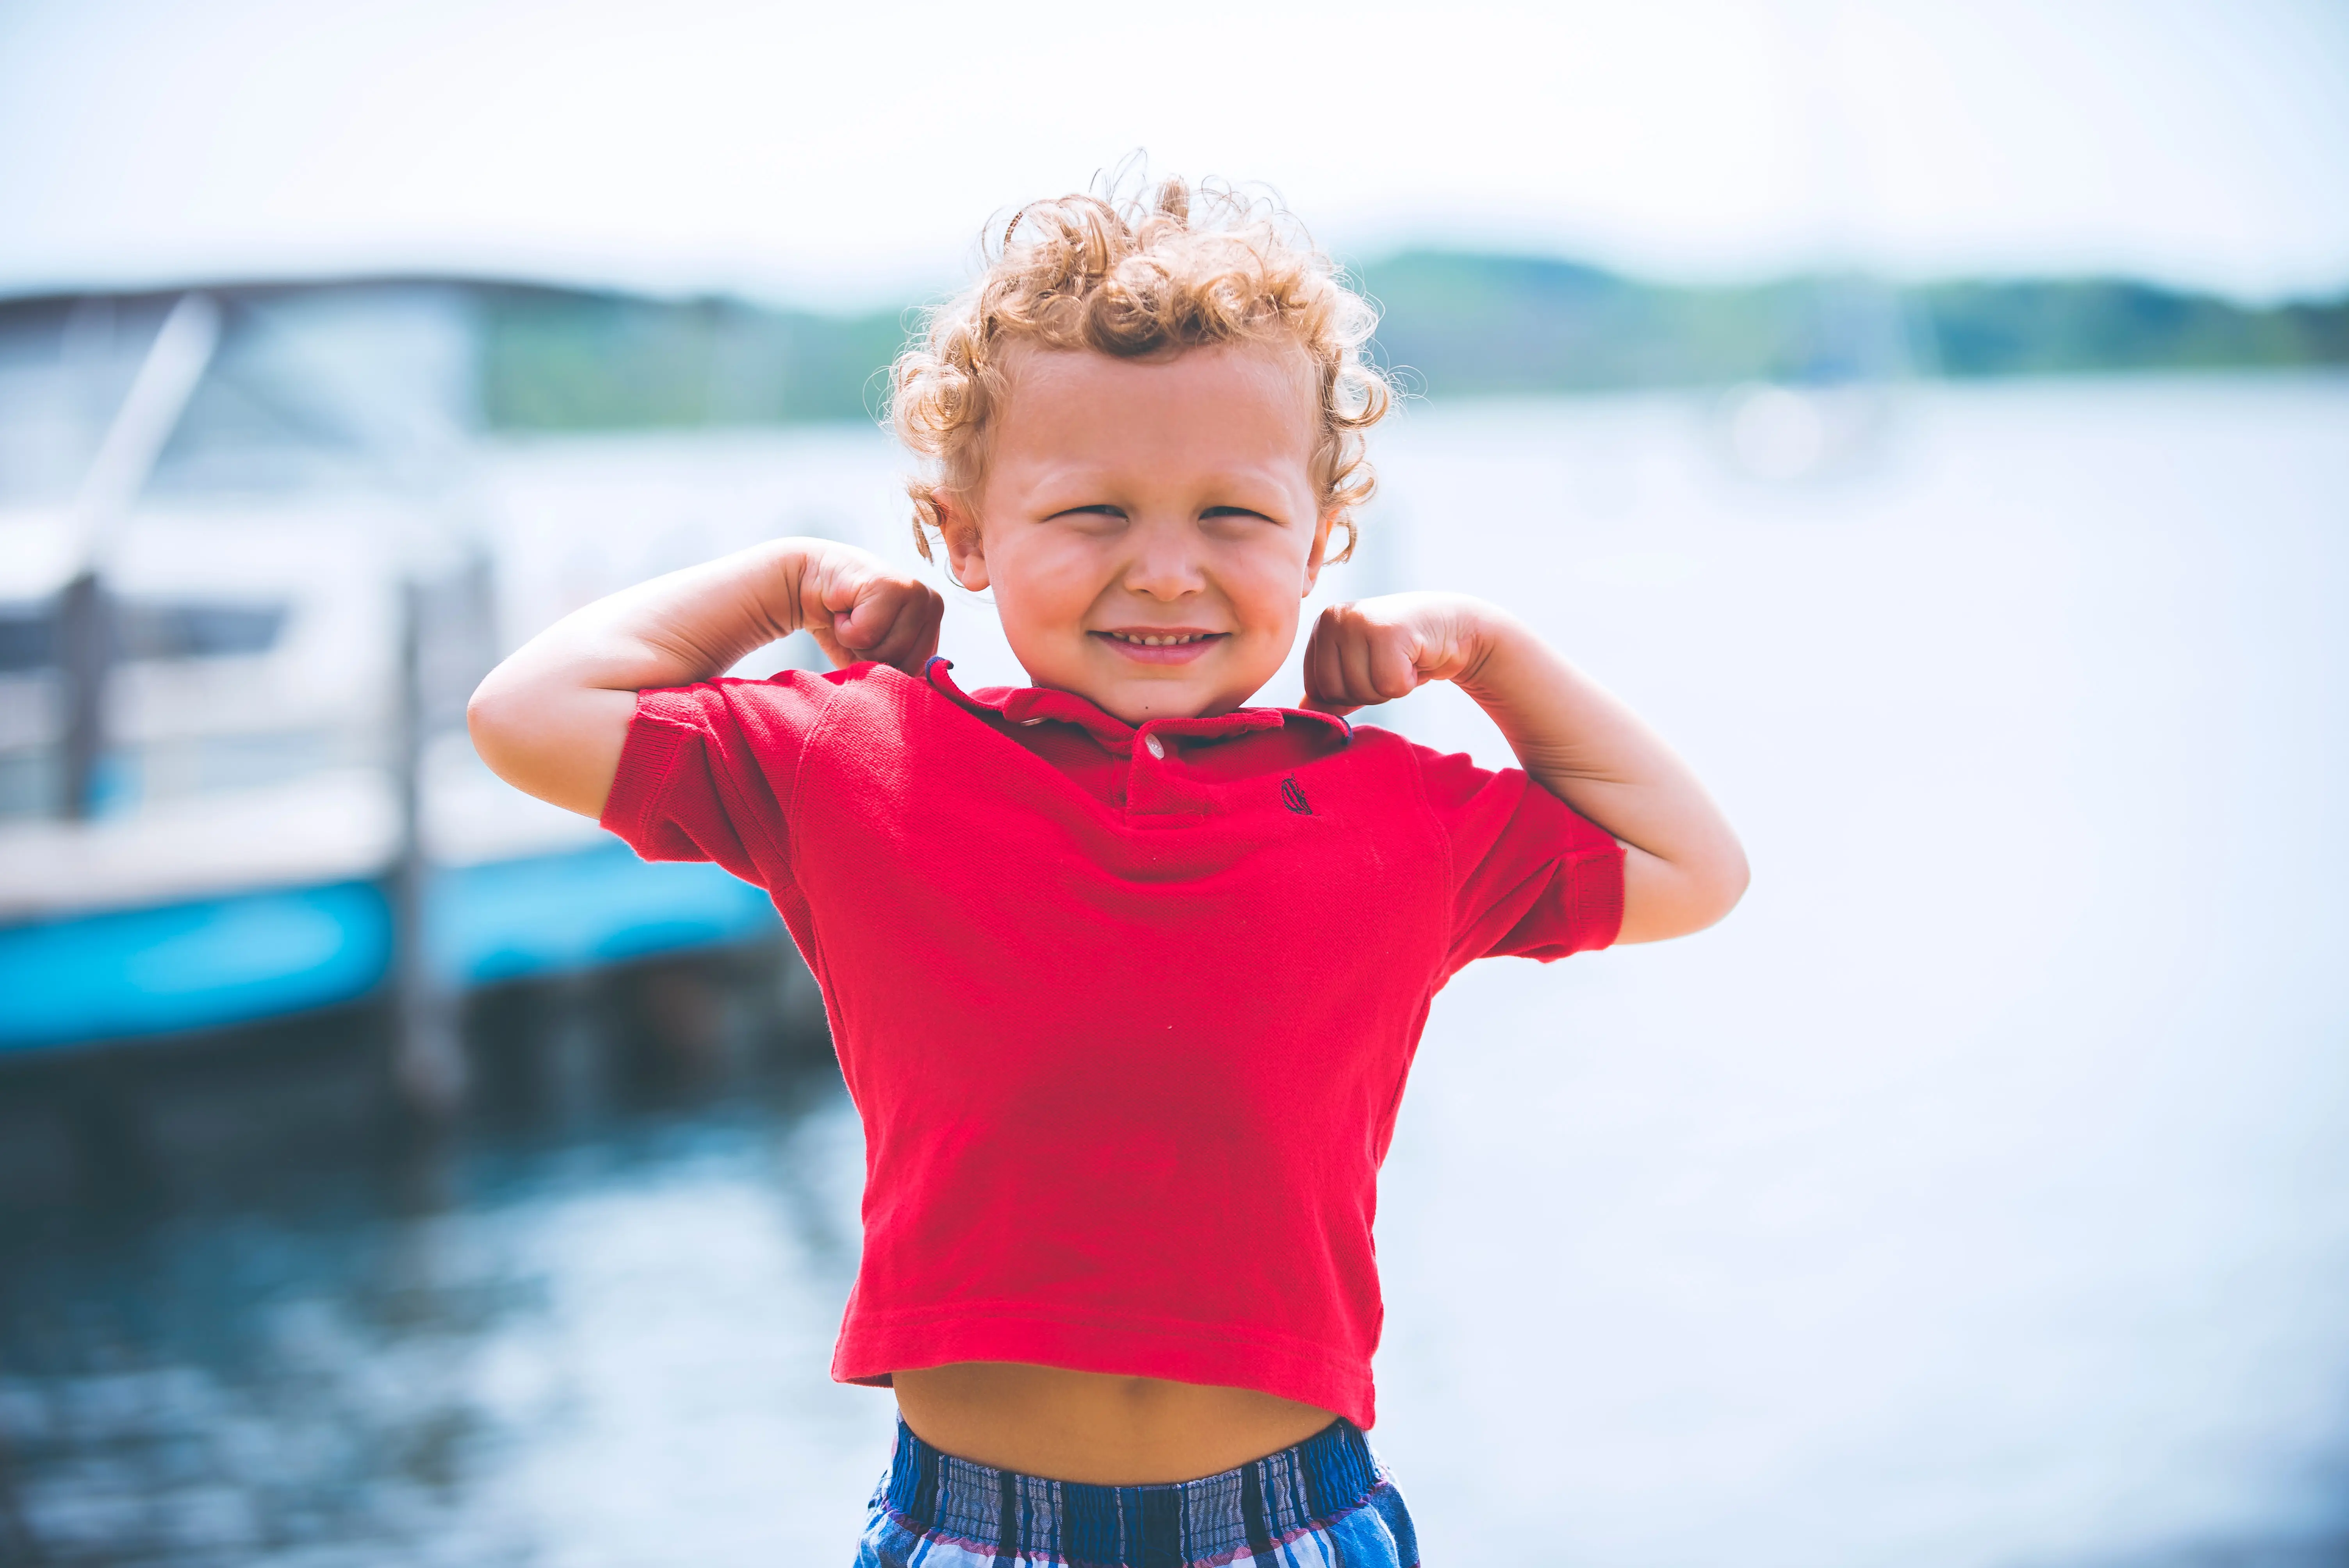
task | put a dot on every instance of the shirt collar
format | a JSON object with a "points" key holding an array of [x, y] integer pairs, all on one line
{"points": [[1034, 704]]}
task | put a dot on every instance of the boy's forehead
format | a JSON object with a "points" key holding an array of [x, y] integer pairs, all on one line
{"points": [[1266, 388]]}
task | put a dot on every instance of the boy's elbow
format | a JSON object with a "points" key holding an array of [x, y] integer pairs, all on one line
{"points": [[496, 719], [552, 738], [1664, 899], [484, 718], [1725, 886]]}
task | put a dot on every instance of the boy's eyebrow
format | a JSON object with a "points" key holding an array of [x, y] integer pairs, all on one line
{"points": [[1203, 511], [1255, 485]]}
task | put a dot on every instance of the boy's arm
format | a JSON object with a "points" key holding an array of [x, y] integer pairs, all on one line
{"points": [[552, 719], [1682, 867]]}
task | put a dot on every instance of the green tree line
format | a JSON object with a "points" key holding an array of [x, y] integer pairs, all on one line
{"points": [[1452, 324]]}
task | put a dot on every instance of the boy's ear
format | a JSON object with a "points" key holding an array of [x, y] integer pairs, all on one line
{"points": [[966, 552], [1320, 548]]}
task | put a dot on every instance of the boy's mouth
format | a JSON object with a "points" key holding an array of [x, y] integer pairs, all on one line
{"points": [[1168, 645]]}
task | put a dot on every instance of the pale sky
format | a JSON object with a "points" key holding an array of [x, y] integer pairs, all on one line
{"points": [[846, 155]]}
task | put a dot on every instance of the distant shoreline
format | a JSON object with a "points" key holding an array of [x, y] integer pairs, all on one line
{"points": [[1454, 325]]}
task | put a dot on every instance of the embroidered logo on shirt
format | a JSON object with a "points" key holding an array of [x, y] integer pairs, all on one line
{"points": [[1294, 798]]}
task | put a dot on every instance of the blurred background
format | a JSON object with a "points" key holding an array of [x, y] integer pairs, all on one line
{"points": [[1932, 414]]}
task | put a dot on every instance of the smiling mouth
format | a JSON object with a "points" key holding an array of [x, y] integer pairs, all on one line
{"points": [[1140, 640], [1160, 647]]}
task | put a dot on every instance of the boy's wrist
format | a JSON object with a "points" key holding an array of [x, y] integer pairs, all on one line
{"points": [[797, 572], [1486, 634]]}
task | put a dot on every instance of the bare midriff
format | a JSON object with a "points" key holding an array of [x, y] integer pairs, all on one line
{"points": [[1094, 1427]]}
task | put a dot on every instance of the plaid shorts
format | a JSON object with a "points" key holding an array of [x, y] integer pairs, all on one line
{"points": [[1325, 1504]]}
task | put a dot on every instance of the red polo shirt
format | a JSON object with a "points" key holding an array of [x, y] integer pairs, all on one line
{"points": [[1126, 1012]]}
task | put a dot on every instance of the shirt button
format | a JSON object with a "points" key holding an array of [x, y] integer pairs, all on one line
{"points": [[1157, 747]]}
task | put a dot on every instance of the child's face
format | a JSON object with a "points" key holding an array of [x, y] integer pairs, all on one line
{"points": [[1148, 498]]}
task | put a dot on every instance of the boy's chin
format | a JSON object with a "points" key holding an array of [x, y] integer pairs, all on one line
{"points": [[1139, 702], [1139, 699], [1137, 692]]}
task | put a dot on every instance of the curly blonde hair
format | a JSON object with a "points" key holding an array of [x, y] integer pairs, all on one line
{"points": [[1174, 268]]}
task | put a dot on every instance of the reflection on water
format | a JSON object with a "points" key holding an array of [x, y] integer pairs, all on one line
{"points": [[593, 1328], [1978, 1196]]}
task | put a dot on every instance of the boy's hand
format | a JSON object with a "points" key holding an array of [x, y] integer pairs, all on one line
{"points": [[1375, 650], [857, 606]]}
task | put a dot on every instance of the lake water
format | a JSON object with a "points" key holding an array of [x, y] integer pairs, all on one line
{"points": [[1978, 1195]]}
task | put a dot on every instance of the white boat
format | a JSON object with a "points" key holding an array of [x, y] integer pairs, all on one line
{"points": [[274, 813]]}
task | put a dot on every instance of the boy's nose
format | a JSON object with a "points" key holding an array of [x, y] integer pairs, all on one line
{"points": [[1165, 560]]}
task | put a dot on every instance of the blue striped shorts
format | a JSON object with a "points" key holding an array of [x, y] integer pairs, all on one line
{"points": [[1326, 1504]]}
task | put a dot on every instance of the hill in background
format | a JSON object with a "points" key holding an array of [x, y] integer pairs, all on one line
{"points": [[1460, 326]]}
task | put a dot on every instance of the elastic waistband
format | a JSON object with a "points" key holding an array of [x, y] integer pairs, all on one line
{"points": [[1254, 1508]]}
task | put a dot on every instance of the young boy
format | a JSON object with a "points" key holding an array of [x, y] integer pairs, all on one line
{"points": [[1124, 976]]}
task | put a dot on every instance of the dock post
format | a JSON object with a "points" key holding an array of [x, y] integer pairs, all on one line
{"points": [[428, 1056], [83, 640]]}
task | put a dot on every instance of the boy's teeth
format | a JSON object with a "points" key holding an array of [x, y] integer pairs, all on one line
{"points": [[1155, 642]]}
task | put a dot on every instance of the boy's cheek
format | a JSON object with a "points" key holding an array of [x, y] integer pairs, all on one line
{"points": [[1051, 581], [1037, 591], [1271, 599]]}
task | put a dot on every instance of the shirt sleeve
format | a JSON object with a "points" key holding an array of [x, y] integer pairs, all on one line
{"points": [[708, 771], [1530, 877]]}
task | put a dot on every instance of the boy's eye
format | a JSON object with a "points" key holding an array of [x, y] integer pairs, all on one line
{"points": [[1232, 511]]}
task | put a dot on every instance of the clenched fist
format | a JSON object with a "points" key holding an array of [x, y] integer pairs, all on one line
{"points": [[1375, 650], [857, 606]]}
